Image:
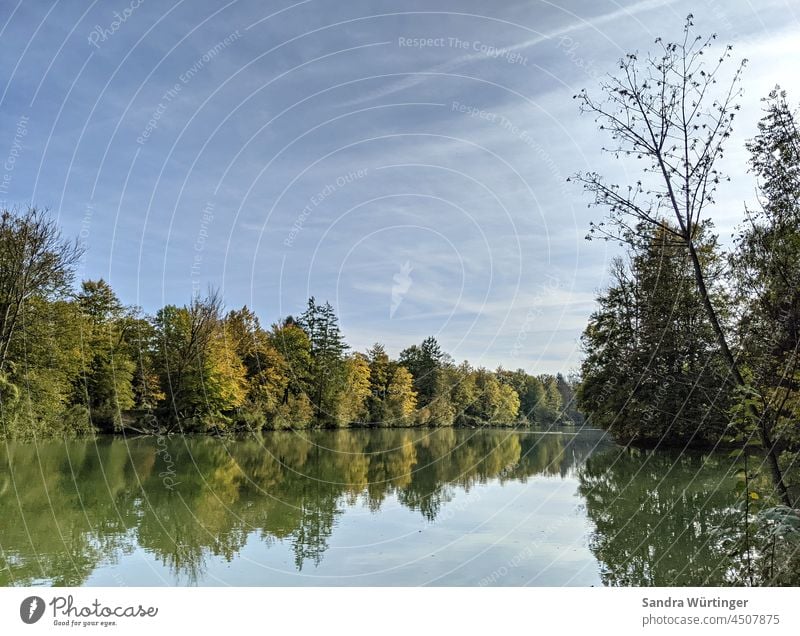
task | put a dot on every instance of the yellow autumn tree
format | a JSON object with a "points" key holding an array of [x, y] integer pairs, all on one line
{"points": [[401, 399], [351, 405]]}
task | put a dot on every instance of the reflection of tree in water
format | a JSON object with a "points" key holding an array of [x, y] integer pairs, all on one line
{"points": [[654, 513], [44, 531], [94, 500]]}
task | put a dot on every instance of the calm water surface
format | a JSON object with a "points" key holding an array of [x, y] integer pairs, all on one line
{"points": [[361, 507]]}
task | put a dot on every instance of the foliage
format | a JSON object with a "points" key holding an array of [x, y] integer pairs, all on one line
{"points": [[35, 264], [200, 374], [766, 266], [105, 384], [351, 406], [327, 370], [425, 362], [671, 114], [652, 371], [82, 363]]}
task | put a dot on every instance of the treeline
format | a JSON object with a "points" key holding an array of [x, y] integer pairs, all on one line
{"points": [[693, 344], [81, 362]]}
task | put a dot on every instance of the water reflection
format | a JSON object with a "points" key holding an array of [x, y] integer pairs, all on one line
{"points": [[655, 515], [71, 508]]}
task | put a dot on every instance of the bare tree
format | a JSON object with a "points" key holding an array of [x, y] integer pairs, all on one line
{"points": [[670, 112], [34, 262]]}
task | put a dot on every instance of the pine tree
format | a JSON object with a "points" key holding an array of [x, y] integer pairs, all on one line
{"points": [[327, 358]]}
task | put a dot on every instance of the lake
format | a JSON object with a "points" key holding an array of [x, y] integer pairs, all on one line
{"points": [[362, 507]]}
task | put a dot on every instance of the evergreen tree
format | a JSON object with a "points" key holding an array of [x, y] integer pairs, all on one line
{"points": [[424, 362], [379, 376], [327, 358], [653, 371], [767, 268]]}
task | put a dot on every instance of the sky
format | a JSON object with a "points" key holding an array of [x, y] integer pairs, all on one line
{"points": [[405, 161]]}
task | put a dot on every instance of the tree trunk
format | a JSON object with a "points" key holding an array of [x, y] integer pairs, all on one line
{"points": [[764, 434]]}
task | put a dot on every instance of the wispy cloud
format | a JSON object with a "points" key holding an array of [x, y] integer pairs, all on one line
{"points": [[462, 226], [415, 78]]}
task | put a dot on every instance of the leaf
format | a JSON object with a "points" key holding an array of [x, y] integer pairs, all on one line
{"points": [[754, 495]]}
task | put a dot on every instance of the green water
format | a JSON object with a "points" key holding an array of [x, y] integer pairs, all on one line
{"points": [[361, 507]]}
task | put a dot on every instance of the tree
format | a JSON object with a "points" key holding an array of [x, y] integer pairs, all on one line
{"points": [[105, 386], [495, 402], [507, 406], [548, 409], [401, 399], [653, 372], [379, 376], [424, 362], [567, 388], [392, 400], [295, 348], [267, 371], [295, 409], [200, 375], [351, 403], [464, 395], [98, 302], [44, 363], [530, 390], [327, 357], [766, 265], [666, 112], [35, 262], [143, 339]]}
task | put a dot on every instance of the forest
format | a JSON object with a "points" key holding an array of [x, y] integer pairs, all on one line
{"points": [[695, 342], [79, 361]]}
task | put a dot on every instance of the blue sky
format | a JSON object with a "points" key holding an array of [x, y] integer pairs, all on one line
{"points": [[406, 161]]}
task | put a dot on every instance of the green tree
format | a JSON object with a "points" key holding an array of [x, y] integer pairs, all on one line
{"points": [[266, 370], [567, 388], [327, 358], [35, 263], [143, 339], [424, 361], [653, 372], [548, 410], [464, 395], [43, 365], [767, 272], [670, 112], [379, 376], [495, 402], [201, 376], [530, 390], [105, 385], [295, 409]]}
